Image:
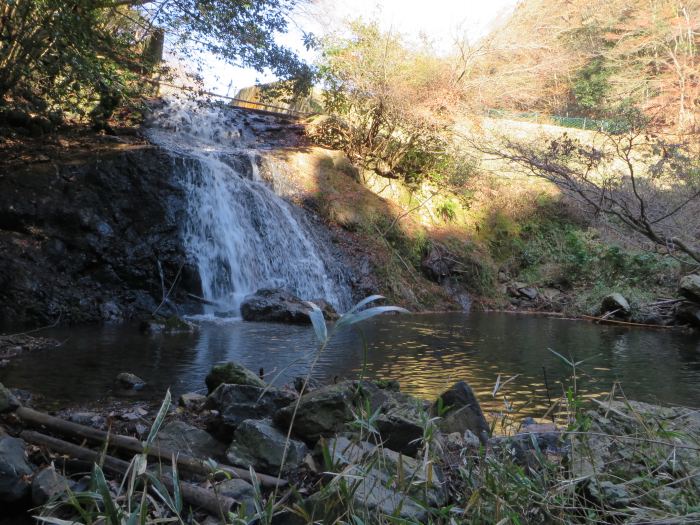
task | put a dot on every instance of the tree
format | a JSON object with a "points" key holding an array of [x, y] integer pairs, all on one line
{"points": [[390, 104], [645, 184], [68, 54]]}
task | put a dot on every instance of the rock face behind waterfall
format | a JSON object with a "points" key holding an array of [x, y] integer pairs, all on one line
{"points": [[85, 234]]}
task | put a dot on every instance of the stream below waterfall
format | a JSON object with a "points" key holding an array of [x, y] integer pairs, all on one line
{"points": [[425, 353]]}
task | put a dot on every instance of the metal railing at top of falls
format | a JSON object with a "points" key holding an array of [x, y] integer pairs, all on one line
{"points": [[243, 104]]}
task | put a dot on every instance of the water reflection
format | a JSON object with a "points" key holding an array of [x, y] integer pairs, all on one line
{"points": [[426, 353]]}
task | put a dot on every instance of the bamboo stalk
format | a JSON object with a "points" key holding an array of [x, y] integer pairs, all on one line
{"points": [[129, 444], [214, 504]]}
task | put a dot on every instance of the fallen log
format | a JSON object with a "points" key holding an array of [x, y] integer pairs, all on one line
{"points": [[601, 320], [187, 463], [216, 505]]}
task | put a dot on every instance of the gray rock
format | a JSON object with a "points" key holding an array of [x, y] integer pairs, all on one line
{"points": [[48, 484], [401, 422], [690, 287], [615, 301], [461, 412], [8, 401], [279, 306], [261, 445], [183, 437], [90, 419], [380, 490], [323, 412], [236, 403], [240, 490], [130, 381], [233, 374], [192, 401], [528, 292], [15, 471]]}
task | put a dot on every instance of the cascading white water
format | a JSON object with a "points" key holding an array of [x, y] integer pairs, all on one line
{"points": [[239, 233]]}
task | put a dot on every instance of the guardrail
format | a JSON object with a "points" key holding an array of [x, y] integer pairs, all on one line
{"points": [[610, 126]]}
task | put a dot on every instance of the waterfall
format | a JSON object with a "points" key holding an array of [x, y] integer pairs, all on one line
{"points": [[240, 234]]}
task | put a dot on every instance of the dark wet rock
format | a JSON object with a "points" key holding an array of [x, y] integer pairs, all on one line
{"points": [[15, 471], [280, 306], [689, 287], [130, 381], [615, 302], [90, 419], [8, 401], [47, 485], [329, 313], [236, 403], [460, 411], [167, 325], [105, 222], [323, 412], [688, 313], [388, 384], [259, 444], [240, 490], [384, 488], [192, 401], [438, 263], [232, 374], [187, 439]]}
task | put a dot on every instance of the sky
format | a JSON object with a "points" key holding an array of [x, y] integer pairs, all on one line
{"points": [[441, 21]]}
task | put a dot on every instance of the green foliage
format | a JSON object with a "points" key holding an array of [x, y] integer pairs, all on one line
{"points": [[447, 210], [591, 86]]}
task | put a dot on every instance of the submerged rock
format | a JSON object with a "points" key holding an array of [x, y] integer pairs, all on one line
{"points": [[615, 302], [388, 483], [281, 306], [167, 325], [182, 437], [260, 445], [130, 381], [237, 403], [690, 287], [48, 484], [231, 374], [15, 471], [8, 401], [460, 411]]}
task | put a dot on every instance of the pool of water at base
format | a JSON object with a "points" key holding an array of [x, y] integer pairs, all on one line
{"points": [[426, 353]]}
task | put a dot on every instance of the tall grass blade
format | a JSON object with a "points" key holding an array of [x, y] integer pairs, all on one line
{"points": [[318, 322], [103, 489], [350, 319], [155, 428], [364, 302]]}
